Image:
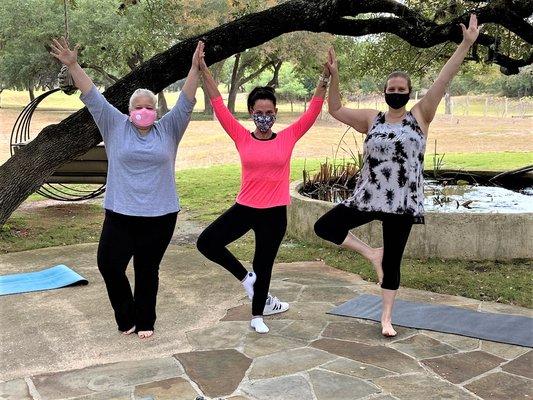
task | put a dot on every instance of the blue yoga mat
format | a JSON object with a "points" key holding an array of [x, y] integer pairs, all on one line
{"points": [[46, 279], [503, 328]]}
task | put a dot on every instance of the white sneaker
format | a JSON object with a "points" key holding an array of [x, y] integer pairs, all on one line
{"points": [[259, 325], [274, 306]]}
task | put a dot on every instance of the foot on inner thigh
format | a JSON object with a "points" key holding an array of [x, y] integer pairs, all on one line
{"points": [[376, 259], [145, 334], [129, 331], [387, 330]]}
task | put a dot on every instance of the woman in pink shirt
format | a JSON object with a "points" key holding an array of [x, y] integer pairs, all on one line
{"points": [[262, 201]]}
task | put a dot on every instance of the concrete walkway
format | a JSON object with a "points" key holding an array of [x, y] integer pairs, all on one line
{"points": [[63, 344]]}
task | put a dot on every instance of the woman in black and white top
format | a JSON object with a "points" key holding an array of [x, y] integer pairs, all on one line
{"points": [[390, 184]]}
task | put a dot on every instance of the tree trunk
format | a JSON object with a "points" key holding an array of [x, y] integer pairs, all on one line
{"points": [[216, 71], [274, 82], [234, 87], [30, 92], [162, 107], [208, 108], [448, 106], [56, 144]]}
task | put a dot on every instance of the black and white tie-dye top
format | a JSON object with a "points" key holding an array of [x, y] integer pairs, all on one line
{"points": [[391, 179]]}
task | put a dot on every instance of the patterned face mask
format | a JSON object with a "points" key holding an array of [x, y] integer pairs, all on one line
{"points": [[264, 122]]}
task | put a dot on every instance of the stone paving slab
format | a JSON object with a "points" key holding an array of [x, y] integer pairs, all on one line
{"points": [[421, 346], [353, 368], [363, 332], [328, 385], [380, 356], [106, 377], [459, 342], [216, 372], [16, 389], [422, 387], [328, 294], [503, 350], [304, 330], [461, 367], [294, 387], [523, 365], [262, 345], [117, 394], [288, 362], [168, 389], [223, 335], [502, 386]]}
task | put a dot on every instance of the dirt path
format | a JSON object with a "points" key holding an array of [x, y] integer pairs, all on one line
{"points": [[206, 144]]}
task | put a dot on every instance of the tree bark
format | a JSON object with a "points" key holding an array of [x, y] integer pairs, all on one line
{"points": [[234, 86], [30, 92], [274, 82], [162, 107], [56, 144]]}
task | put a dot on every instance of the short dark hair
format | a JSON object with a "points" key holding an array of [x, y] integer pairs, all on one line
{"points": [[261, 93], [398, 74]]}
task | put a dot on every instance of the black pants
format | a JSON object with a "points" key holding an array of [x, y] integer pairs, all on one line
{"points": [[336, 223], [146, 240], [269, 226]]}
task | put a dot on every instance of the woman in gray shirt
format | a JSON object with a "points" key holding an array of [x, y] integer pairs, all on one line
{"points": [[141, 203]]}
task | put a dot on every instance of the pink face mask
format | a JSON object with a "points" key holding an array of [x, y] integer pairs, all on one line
{"points": [[143, 117]]}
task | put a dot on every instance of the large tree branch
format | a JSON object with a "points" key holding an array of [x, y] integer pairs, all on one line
{"points": [[25, 172], [255, 74], [107, 75]]}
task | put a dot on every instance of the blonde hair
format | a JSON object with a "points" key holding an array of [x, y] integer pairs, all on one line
{"points": [[143, 93]]}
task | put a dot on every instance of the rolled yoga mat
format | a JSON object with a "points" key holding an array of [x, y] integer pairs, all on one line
{"points": [[503, 328], [50, 278]]}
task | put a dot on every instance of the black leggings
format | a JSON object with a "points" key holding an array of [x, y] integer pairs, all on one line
{"points": [[146, 240], [269, 226], [336, 223]]}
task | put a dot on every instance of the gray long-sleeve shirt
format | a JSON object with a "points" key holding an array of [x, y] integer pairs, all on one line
{"points": [[140, 174]]}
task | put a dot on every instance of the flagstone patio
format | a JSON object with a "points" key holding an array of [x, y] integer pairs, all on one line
{"points": [[63, 344]]}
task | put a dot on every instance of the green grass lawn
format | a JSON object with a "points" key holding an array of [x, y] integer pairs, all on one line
{"points": [[207, 192]]}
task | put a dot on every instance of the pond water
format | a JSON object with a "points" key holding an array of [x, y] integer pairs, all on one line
{"points": [[476, 199], [454, 198]]}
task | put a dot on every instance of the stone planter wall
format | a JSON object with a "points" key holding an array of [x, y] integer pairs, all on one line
{"points": [[449, 236]]}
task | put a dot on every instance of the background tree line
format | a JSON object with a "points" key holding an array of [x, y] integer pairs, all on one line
{"points": [[116, 37]]}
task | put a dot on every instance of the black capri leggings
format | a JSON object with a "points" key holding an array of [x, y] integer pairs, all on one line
{"points": [[269, 226], [336, 223]]}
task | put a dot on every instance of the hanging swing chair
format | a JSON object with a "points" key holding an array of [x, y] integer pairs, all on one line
{"points": [[80, 179], [71, 181]]}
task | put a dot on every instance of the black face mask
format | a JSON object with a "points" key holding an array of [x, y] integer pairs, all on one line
{"points": [[396, 100]]}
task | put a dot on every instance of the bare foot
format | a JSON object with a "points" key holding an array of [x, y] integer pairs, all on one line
{"points": [[387, 330], [145, 334], [129, 331], [376, 259]]}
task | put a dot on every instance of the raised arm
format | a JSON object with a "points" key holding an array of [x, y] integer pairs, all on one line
{"points": [[427, 106], [230, 124], [177, 119], [307, 119], [191, 83], [360, 120], [61, 51]]}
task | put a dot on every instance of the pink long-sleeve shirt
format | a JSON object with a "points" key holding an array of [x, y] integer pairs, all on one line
{"points": [[265, 163]]}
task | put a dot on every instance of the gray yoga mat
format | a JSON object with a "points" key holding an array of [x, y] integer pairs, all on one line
{"points": [[503, 328]]}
